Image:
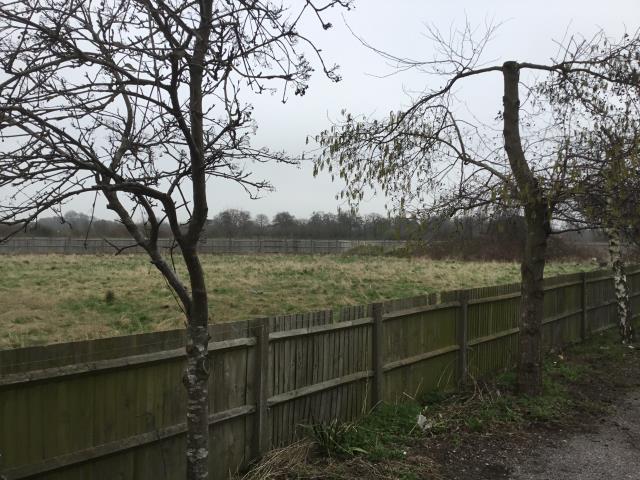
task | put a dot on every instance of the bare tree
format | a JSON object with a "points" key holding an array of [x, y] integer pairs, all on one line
{"points": [[428, 158], [139, 101], [262, 224]]}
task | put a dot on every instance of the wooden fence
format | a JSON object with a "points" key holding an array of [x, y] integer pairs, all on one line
{"points": [[43, 245], [114, 408]]}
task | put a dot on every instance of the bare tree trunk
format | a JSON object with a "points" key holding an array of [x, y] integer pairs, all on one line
{"points": [[196, 375], [537, 216], [620, 285], [532, 302]]}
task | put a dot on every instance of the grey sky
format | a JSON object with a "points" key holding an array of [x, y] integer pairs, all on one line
{"points": [[397, 26]]}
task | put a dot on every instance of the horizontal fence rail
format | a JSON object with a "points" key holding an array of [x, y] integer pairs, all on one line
{"points": [[44, 245], [115, 408]]}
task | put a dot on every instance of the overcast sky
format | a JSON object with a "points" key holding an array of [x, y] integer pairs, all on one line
{"points": [[528, 31]]}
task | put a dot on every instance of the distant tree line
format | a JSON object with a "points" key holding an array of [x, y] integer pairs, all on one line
{"points": [[472, 233], [237, 223], [320, 225]]}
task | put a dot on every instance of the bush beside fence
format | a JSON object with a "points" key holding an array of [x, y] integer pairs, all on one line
{"points": [[115, 408]]}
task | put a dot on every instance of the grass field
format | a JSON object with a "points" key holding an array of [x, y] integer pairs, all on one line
{"points": [[54, 298]]}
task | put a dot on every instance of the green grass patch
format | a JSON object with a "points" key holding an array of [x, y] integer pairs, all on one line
{"points": [[495, 405], [381, 435]]}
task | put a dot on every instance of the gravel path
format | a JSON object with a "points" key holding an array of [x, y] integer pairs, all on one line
{"points": [[610, 451]]}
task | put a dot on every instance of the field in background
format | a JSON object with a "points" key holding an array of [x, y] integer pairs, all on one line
{"points": [[54, 298]]}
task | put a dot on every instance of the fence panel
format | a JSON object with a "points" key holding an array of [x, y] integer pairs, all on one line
{"points": [[319, 371], [493, 328], [420, 350], [562, 312]]}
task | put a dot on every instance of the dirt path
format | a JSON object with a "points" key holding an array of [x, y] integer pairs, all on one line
{"points": [[610, 451]]}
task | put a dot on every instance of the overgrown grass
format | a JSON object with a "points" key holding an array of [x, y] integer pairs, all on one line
{"points": [[495, 406], [374, 447], [382, 435], [52, 298], [388, 431]]}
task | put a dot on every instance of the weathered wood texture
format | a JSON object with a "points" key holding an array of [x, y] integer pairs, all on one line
{"points": [[115, 408], [29, 245]]}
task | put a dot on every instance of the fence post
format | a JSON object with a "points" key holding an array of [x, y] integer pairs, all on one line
{"points": [[377, 360], [463, 328], [583, 307], [262, 425]]}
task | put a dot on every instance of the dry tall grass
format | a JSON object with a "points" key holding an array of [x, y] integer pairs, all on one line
{"points": [[53, 298]]}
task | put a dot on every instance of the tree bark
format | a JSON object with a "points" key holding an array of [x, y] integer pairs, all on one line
{"points": [[537, 216], [620, 285], [532, 302], [196, 375]]}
